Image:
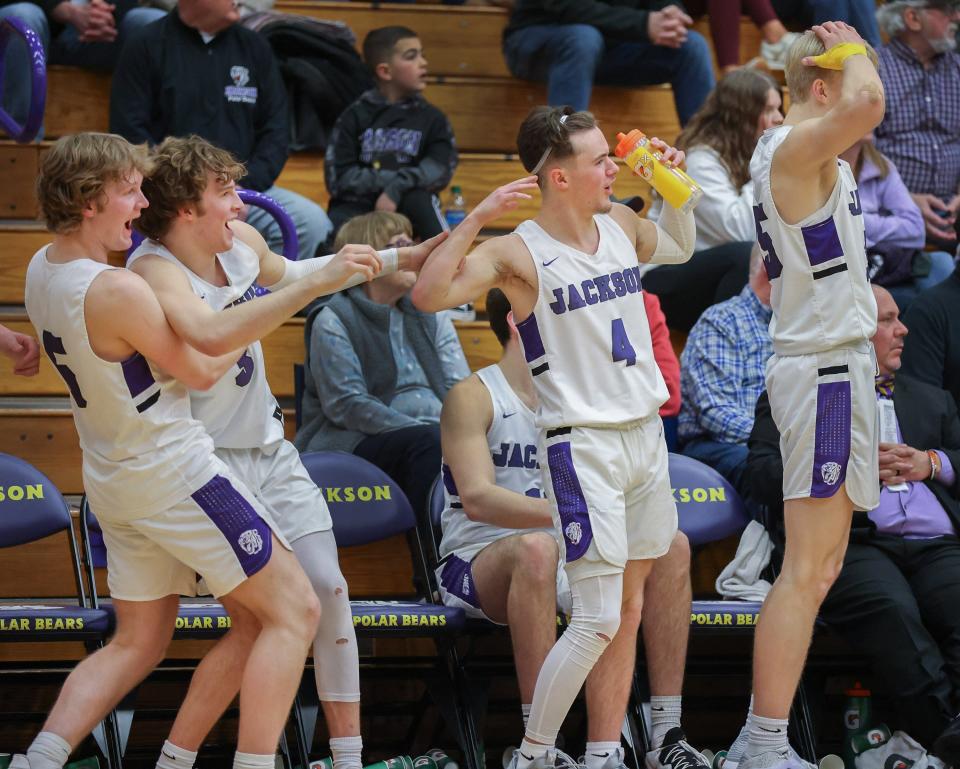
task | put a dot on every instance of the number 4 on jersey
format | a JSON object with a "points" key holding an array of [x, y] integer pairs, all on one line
{"points": [[622, 349]]}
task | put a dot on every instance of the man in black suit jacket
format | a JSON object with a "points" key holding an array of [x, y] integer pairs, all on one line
{"points": [[897, 598]]}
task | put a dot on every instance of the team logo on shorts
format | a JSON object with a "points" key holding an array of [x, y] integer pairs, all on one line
{"points": [[251, 542], [574, 532], [465, 586], [830, 471]]}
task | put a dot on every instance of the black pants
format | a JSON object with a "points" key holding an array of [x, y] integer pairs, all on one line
{"points": [[419, 206], [712, 275], [411, 456], [898, 601]]}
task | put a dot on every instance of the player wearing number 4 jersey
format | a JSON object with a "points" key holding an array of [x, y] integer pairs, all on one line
{"points": [[571, 275], [169, 508], [820, 378], [204, 266]]}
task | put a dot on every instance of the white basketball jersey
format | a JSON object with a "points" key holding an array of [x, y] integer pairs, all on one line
{"points": [[239, 411], [587, 341], [820, 294], [142, 450], [512, 438]]}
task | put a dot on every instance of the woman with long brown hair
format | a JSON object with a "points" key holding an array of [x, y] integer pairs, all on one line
{"points": [[719, 141]]}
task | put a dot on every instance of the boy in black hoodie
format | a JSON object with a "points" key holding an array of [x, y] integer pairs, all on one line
{"points": [[391, 150]]}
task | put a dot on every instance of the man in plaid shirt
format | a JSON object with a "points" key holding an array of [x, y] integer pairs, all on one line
{"points": [[722, 375], [920, 132]]}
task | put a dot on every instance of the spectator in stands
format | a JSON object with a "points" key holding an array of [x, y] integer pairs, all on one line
{"points": [[572, 44], [377, 369], [896, 597], [500, 558], [920, 131], [197, 71], [87, 34], [22, 350], [663, 353], [719, 142], [723, 369], [860, 14], [894, 227], [391, 150], [933, 355], [724, 19]]}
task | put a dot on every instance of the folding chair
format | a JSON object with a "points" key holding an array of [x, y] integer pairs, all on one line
{"points": [[26, 133], [377, 509], [31, 508]]}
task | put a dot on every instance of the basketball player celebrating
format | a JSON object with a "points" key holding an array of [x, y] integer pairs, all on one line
{"points": [[571, 276], [204, 264], [821, 376], [149, 468]]}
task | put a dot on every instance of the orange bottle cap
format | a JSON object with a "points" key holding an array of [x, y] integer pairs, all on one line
{"points": [[858, 690], [626, 142]]}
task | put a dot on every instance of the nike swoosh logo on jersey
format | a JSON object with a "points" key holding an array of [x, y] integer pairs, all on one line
{"points": [[507, 416], [547, 264]]}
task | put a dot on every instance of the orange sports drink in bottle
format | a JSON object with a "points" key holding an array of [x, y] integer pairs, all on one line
{"points": [[673, 185]]}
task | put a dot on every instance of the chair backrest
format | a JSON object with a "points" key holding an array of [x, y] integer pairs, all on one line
{"points": [[709, 508], [436, 501], [31, 507], [11, 28], [365, 503], [299, 384], [288, 230], [93, 544]]}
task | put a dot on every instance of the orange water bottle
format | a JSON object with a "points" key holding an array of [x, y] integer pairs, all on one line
{"points": [[674, 186]]}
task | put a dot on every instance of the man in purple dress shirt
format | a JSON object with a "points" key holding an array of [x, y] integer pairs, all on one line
{"points": [[897, 597]]}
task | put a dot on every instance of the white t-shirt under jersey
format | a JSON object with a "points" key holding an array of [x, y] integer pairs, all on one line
{"points": [[820, 295], [239, 411], [587, 341], [512, 439], [142, 450]]}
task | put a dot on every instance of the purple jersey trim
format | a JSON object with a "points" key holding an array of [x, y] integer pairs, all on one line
{"points": [[832, 443], [456, 578], [571, 504], [241, 525], [137, 374], [822, 241], [531, 339]]}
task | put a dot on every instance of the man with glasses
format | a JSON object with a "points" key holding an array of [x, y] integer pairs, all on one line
{"points": [[920, 132]]}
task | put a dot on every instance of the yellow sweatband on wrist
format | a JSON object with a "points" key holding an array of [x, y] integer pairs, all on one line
{"points": [[838, 54]]}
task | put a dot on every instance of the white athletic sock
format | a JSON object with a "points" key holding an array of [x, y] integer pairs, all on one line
{"points": [[766, 735], [530, 752], [254, 760], [664, 716], [346, 752], [525, 709], [174, 757], [48, 751], [597, 754]]}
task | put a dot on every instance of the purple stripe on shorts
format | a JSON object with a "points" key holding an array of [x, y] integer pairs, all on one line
{"points": [[248, 534], [137, 374], [530, 337], [822, 242], [832, 443], [456, 578], [571, 504]]}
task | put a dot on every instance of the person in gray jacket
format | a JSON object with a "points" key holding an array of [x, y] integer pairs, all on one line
{"points": [[378, 369]]}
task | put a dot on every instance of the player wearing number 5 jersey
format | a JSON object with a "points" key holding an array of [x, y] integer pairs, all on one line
{"points": [[168, 507], [205, 267], [820, 378], [571, 275]]}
